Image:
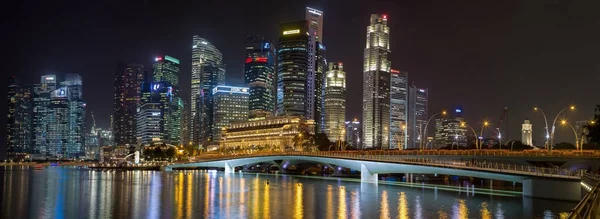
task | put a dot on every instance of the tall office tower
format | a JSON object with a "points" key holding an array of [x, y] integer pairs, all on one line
{"points": [[292, 69], [166, 68], [66, 120], [398, 109], [213, 76], [41, 111], [128, 83], [417, 116], [185, 124], [320, 79], [448, 130], [335, 102], [259, 76], [203, 54], [526, 133], [317, 66], [376, 87], [353, 133], [160, 103], [19, 120], [230, 105]]}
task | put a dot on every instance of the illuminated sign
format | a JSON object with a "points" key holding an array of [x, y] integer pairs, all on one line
{"points": [[261, 59], [395, 71], [155, 86], [157, 59], [194, 46], [204, 42], [458, 110], [155, 114], [287, 32], [385, 17], [267, 45], [230, 89], [169, 58], [313, 11], [49, 78], [321, 45]]}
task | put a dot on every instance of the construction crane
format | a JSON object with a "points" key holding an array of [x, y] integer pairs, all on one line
{"points": [[497, 133]]}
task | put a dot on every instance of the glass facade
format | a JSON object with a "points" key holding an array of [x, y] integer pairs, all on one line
{"points": [[205, 57], [335, 102], [376, 84], [128, 82], [259, 76], [448, 130], [418, 108], [230, 105], [159, 113], [19, 136], [319, 93], [398, 109], [292, 69], [166, 68], [41, 112]]}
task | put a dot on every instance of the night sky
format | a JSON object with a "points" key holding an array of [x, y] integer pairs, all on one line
{"points": [[481, 55]]}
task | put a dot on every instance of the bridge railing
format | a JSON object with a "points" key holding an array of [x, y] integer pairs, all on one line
{"points": [[589, 206], [396, 157]]}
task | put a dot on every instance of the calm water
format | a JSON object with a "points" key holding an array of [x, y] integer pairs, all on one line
{"points": [[62, 192]]}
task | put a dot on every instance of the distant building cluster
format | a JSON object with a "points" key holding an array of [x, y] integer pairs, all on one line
{"points": [[289, 90]]}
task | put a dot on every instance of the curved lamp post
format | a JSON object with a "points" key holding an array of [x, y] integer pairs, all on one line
{"points": [[545, 120], [554, 125], [485, 124], [426, 124], [464, 124], [565, 123]]}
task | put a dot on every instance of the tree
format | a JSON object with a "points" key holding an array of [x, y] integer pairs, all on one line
{"points": [[594, 127], [171, 152], [322, 141]]}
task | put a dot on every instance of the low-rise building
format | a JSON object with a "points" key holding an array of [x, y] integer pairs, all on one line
{"points": [[275, 133]]}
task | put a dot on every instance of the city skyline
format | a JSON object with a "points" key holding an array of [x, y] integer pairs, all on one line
{"points": [[440, 81]]}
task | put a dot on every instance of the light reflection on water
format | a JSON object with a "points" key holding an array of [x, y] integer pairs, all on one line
{"points": [[74, 193]]}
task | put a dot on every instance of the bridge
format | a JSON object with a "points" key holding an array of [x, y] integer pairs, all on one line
{"points": [[536, 181]]}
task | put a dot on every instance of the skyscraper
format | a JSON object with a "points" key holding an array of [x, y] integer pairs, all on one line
{"points": [[66, 120], [417, 116], [159, 113], [41, 112], [353, 133], [526, 136], [335, 102], [19, 128], [292, 69], [203, 54], [166, 68], [128, 82], [317, 65], [398, 109], [213, 76], [259, 76], [376, 87], [230, 105], [449, 131]]}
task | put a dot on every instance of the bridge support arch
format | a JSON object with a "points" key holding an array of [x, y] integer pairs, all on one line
{"points": [[229, 168], [366, 175], [567, 190]]}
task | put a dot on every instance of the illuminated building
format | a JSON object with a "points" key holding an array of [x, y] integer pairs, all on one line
{"points": [[166, 68], [259, 76], [376, 84], [159, 113], [335, 102], [526, 133], [292, 69], [417, 116], [319, 95], [398, 109], [19, 128], [213, 76], [317, 65], [203, 54], [448, 130], [353, 133], [128, 82], [275, 133], [66, 120], [230, 105], [41, 111]]}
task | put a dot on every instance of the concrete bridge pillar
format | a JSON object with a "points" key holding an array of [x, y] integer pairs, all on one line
{"points": [[229, 168], [366, 175], [557, 189]]}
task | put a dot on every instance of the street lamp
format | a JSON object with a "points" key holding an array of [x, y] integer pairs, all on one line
{"points": [[564, 122], [485, 124], [464, 124], [554, 123], [426, 124], [545, 120]]}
